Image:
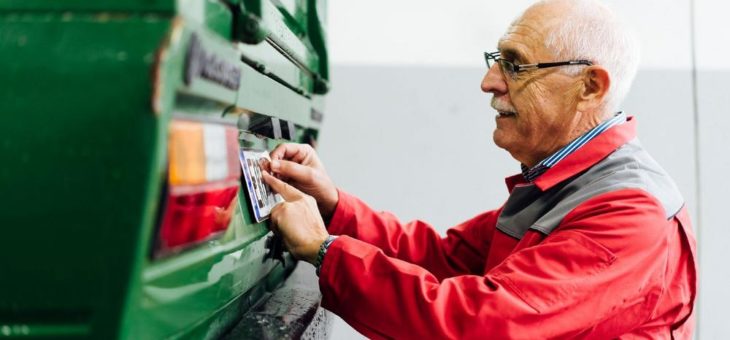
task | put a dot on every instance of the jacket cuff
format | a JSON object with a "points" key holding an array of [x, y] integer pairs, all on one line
{"points": [[344, 213], [336, 270]]}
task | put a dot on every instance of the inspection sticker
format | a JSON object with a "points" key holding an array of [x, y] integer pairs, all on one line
{"points": [[261, 196]]}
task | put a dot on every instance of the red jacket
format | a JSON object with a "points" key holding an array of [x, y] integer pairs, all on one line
{"points": [[599, 247]]}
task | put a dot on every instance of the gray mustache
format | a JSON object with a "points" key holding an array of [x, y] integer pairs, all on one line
{"points": [[500, 106]]}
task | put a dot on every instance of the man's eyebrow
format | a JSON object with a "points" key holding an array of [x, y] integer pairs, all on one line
{"points": [[511, 54]]}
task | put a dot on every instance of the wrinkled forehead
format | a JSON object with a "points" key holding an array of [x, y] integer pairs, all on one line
{"points": [[525, 38]]}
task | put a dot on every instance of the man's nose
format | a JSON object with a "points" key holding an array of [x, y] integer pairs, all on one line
{"points": [[493, 81]]}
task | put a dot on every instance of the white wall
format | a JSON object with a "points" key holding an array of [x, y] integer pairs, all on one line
{"points": [[435, 32], [406, 112], [713, 118]]}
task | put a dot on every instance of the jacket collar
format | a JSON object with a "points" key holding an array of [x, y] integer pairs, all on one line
{"points": [[588, 155]]}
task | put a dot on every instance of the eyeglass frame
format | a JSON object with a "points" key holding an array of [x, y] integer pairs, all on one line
{"points": [[496, 56]]}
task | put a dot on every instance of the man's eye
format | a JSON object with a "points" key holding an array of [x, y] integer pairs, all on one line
{"points": [[512, 67]]}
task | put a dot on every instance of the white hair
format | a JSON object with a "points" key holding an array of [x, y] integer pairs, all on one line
{"points": [[589, 30]]}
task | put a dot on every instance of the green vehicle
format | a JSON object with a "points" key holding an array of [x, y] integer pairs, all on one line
{"points": [[124, 210]]}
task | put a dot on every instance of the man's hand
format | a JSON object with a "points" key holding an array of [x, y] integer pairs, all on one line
{"points": [[297, 221], [298, 165]]}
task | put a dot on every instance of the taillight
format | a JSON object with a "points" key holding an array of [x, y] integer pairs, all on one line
{"points": [[203, 181]]}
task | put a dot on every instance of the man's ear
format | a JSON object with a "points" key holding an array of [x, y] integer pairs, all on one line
{"points": [[596, 83]]}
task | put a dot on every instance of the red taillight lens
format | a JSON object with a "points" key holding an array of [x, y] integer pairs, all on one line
{"points": [[194, 214], [203, 183]]}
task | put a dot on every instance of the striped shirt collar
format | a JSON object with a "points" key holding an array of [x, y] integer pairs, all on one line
{"points": [[533, 173]]}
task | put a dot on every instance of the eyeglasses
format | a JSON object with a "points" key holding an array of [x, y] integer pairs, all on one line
{"points": [[511, 69]]}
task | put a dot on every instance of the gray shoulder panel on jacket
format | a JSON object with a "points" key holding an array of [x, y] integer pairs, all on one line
{"points": [[629, 167]]}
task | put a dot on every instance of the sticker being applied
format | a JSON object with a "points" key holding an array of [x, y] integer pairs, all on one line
{"points": [[261, 196]]}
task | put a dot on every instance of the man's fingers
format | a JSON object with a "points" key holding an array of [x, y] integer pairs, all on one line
{"points": [[289, 151], [279, 152], [295, 171], [288, 192]]}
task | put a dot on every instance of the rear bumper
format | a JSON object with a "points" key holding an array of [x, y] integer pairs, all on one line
{"points": [[290, 312]]}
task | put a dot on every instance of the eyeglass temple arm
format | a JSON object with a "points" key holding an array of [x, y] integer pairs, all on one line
{"points": [[561, 63]]}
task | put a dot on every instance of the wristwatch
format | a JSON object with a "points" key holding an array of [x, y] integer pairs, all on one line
{"points": [[322, 251]]}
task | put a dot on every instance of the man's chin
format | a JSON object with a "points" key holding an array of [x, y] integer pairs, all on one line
{"points": [[500, 139]]}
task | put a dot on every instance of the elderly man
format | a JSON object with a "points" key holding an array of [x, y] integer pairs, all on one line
{"points": [[593, 241]]}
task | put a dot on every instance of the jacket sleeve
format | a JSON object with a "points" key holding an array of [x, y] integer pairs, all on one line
{"points": [[462, 251], [605, 260]]}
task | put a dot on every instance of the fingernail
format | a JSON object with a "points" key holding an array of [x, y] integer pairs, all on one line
{"points": [[275, 165]]}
